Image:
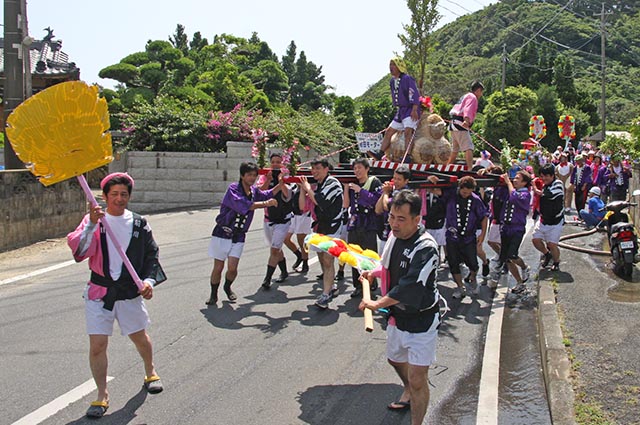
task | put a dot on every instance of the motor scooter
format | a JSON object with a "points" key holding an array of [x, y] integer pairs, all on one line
{"points": [[622, 236]]}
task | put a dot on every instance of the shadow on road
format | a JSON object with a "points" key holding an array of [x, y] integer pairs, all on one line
{"points": [[351, 404], [231, 315], [122, 416]]}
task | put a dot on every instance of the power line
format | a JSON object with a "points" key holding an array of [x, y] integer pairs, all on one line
{"points": [[502, 25], [543, 27]]}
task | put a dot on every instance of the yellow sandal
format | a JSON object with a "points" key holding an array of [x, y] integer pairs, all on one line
{"points": [[97, 409], [153, 384]]}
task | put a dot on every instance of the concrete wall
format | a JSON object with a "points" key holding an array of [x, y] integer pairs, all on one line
{"points": [[31, 212], [2, 156], [172, 180]]}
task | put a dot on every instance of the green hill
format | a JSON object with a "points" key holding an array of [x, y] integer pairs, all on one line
{"points": [[545, 44]]}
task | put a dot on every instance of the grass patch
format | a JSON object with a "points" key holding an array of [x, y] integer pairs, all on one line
{"points": [[586, 412], [590, 414], [631, 394]]}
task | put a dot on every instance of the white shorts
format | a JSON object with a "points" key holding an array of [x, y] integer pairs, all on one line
{"points": [[221, 249], [301, 224], [131, 315], [494, 233], [275, 234], [418, 349], [461, 141], [548, 233], [406, 123], [440, 235]]}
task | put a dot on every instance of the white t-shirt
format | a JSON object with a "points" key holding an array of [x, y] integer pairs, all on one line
{"points": [[122, 228]]}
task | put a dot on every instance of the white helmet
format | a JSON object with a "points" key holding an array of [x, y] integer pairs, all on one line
{"points": [[595, 190]]}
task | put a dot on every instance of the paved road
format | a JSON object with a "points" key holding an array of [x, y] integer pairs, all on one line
{"points": [[272, 358], [601, 312]]}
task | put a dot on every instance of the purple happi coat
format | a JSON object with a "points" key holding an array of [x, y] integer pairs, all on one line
{"points": [[236, 215]]}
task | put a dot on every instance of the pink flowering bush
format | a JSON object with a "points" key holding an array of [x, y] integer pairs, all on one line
{"points": [[236, 124]]}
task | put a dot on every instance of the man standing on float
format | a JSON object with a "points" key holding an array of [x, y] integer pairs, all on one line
{"points": [[406, 98]]}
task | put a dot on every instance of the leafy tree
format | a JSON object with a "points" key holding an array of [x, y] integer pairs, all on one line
{"points": [[307, 86], [550, 107], [614, 145], [166, 124], [197, 42], [182, 68], [417, 40], [190, 96], [312, 128], [227, 86], [563, 80], [269, 77], [588, 105], [162, 52], [507, 116], [440, 106], [344, 111], [289, 61], [123, 72], [376, 115], [179, 40], [152, 75], [133, 95], [136, 59]]}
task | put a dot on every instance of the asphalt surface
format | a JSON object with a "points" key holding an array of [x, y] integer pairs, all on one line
{"points": [[601, 315], [271, 358]]}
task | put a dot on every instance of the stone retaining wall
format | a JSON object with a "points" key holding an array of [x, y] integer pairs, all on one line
{"points": [[173, 180], [31, 212]]}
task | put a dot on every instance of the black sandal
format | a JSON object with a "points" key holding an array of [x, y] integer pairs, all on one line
{"points": [[230, 294], [399, 405], [213, 298]]}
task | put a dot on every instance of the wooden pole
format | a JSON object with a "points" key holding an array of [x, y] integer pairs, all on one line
{"points": [[368, 314]]}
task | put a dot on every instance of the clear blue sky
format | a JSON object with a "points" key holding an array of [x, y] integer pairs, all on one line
{"points": [[352, 40]]}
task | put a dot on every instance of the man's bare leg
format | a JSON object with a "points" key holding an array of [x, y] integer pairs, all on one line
{"points": [[98, 362], [419, 385]]}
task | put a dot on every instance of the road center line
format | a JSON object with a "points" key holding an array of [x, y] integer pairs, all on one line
{"points": [[37, 272], [59, 403]]}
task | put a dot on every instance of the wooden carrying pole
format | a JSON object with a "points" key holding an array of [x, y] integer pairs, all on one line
{"points": [[368, 314]]}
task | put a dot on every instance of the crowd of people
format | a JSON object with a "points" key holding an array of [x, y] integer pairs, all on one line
{"points": [[415, 232]]}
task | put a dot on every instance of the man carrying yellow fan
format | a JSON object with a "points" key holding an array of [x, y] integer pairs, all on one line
{"points": [[111, 293]]}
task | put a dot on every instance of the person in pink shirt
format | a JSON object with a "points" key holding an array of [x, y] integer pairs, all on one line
{"points": [[111, 293], [462, 115]]}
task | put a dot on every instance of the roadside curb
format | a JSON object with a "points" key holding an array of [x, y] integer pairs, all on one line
{"points": [[555, 362]]}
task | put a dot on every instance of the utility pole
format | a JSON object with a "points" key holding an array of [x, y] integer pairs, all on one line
{"points": [[504, 66], [15, 17], [603, 104]]}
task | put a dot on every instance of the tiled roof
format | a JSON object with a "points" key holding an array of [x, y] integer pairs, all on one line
{"points": [[46, 59]]}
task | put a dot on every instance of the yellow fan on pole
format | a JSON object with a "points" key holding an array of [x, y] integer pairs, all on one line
{"points": [[61, 132]]}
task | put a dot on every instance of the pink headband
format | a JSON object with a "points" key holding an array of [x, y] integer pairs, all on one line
{"points": [[114, 175]]}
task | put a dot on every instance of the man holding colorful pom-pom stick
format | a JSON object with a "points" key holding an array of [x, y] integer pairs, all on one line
{"points": [[360, 198], [408, 271], [327, 199]]}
